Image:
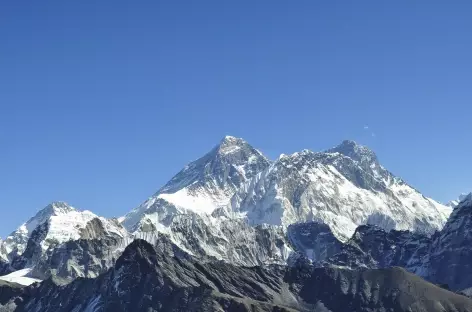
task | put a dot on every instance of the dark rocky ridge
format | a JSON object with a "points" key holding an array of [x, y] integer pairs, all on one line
{"points": [[443, 258], [149, 279]]}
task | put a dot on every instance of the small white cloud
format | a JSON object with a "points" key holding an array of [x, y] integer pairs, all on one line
{"points": [[366, 127], [373, 134]]}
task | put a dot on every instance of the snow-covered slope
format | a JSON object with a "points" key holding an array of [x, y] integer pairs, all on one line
{"points": [[343, 187], [233, 204], [20, 277], [210, 208], [205, 184], [61, 223], [183, 209]]}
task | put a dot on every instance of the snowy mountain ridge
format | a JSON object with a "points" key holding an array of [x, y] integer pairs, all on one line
{"points": [[343, 187], [62, 223], [235, 205], [234, 188], [207, 183]]}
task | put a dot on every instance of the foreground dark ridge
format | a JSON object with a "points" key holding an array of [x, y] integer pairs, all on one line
{"points": [[162, 278]]}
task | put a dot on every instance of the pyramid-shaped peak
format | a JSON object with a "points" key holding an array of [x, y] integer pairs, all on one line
{"points": [[355, 151], [231, 162], [230, 144], [231, 140], [56, 208]]}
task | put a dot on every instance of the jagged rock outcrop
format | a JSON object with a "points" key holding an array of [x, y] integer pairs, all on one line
{"points": [[373, 247], [62, 240], [61, 223], [313, 240], [442, 259], [451, 251], [145, 279]]}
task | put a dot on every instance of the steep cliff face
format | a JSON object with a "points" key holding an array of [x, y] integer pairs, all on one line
{"points": [[373, 247], [442, 259], [451, 250]]}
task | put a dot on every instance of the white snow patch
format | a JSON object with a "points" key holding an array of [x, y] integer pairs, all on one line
{"points": [[20, 277]]}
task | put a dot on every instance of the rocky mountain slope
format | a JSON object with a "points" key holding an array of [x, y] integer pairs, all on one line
{"points": [[442, 258], [235, 184], [184, 208], [203, 185], [64, 223], [233, 204], [164, 279], [451, 249], [52, 228], [343, 187], [455, 202]]}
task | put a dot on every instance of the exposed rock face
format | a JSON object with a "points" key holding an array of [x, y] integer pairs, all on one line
{"points": [[65, 242], [59, 223], [186, 209], [451, 250], [443, 258], [372, 247], [205, 184], [145, 279], [343, 187], [236, 206], [80, 258], [314, 241], [453, 203], [209, 208]]}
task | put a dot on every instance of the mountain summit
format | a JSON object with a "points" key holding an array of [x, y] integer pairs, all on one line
{"points": [[343, 187], [58, 222], [222, 170], [355, 151], [206, 183]]}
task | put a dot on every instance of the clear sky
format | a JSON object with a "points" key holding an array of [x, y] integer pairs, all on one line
{"points": [[101, 102]]}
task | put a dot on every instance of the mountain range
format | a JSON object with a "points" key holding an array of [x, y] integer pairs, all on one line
{"points": [[235, 231]]}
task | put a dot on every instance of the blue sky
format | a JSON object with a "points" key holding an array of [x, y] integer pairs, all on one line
{"points": [[101, 102]]}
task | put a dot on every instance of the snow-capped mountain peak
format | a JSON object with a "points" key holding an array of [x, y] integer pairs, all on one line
{"points": [[232, 159], [343, 187], [60, 222], [364, 158], [355, 151], [206, 183], [53, 209], [230, 144], [58, 207]]}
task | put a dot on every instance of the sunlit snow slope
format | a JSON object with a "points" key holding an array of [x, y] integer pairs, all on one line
{"points": [[343, 187]]}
